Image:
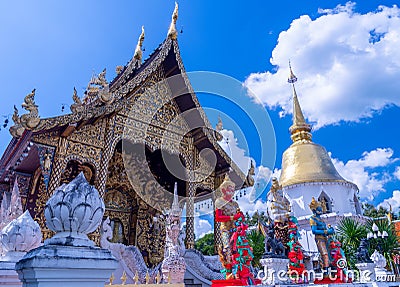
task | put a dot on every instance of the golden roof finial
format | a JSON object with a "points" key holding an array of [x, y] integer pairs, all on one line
{"points": [[299, 130], [172, 32], [15, 116], [219, 127], [32, 119], [138, 51]]}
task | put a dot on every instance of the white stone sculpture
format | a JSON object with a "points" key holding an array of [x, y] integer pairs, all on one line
{"points": [[381, 274], [69, 258], [10, 208], [74, 210], [378, 259], [21, 234], [130, 260], [173, 266], [17, 237]]}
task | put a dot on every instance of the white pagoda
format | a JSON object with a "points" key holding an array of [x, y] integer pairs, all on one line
{"points": [[307, 172]]}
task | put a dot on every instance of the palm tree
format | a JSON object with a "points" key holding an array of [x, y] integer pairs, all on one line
{"points": [[349, 233]]}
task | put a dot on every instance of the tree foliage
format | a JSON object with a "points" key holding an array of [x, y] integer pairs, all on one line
{"points": [[349, 233], [205, 244], [256, 241], [386, 245], [253, 220], [371, 211]]}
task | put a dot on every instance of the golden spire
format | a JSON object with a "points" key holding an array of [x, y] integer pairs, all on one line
{"points": [[172, 32], [138, 51], [300, 130]]}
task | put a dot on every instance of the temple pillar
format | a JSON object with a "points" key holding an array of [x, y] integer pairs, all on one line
{"points": [[190, 194], [108, 150], [217, 225]]}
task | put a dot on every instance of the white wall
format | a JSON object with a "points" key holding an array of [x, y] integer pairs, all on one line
{"points": [[341, 195]]}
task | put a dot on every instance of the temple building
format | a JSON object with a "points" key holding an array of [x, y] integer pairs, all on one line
{"points": [[133, 138], [308, 172]]}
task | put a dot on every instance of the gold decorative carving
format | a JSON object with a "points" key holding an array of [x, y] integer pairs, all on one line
{"points": [[27, 121], [114, 199], [17, 129], [50, 138], [172, 33], [90, 134], [138, 51], [30, 120], [123, 217], [84, 152], [77, 106], [74, 167], [150, 234], [37, 199], [97, 89]]}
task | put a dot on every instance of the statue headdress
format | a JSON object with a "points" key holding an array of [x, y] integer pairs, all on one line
{"points": [[314, 204], [227, 182]]}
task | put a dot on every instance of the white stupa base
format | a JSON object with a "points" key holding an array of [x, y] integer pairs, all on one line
{"points": [[67, 266]]}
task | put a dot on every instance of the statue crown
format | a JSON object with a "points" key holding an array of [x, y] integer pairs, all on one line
{"points": [[314, 204], [227, 182]]}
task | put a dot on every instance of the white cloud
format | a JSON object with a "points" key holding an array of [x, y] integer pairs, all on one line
{"points": [[230, 145], [378, 157], [347, 64], [277, 173], [393, 201], [364, 173], [203, 223], [202, 227], [262, 174], [247, 205], [397, 173]]}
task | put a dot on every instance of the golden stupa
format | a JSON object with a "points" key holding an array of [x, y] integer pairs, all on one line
{"points": [[305, 161]]}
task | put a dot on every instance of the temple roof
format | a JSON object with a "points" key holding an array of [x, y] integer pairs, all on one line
{"points": [[109, 98]]}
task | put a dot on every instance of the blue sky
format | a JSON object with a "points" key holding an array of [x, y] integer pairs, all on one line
{"points": [[346, 60]]}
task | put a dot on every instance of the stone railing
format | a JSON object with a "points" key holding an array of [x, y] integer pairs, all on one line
{"points": [[147, 283]]}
